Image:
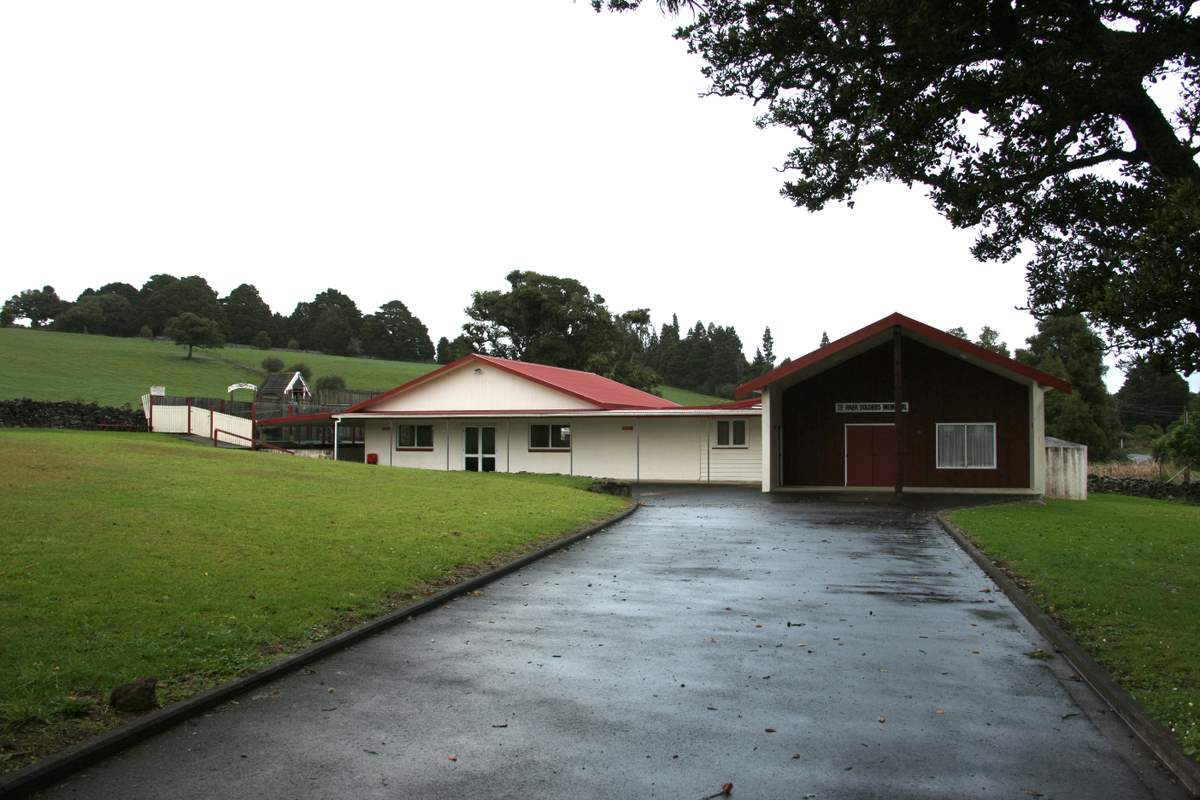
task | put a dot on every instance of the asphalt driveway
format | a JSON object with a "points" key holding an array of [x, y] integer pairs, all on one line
{"points": [[794, 649]]}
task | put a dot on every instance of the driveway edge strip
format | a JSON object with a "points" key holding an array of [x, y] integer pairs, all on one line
{"points": [[56, 767], [1151, 732]]}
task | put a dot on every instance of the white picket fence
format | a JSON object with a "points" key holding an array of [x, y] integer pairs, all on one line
{"points": [[223, 428]]}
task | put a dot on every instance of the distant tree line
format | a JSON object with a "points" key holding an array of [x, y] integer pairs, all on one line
{"points": [[188, 310], [539, 318]]}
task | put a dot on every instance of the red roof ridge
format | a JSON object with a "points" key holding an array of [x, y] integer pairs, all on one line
{"points": [[896, 319]]}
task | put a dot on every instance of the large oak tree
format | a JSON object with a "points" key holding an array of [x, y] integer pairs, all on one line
{"points": [[1035, 122]]}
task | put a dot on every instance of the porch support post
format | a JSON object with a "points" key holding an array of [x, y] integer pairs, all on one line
{"points": [[898, 413], [335, 437]]}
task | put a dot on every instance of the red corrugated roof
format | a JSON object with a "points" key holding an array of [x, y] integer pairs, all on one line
{"points": [[587, 386], [938, 337]]}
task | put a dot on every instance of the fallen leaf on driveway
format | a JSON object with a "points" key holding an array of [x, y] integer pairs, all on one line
{"points": [[770, 730], [882, 720], [452, 758]]}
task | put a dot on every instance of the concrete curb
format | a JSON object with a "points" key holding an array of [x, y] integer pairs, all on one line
{"points": [[56, 767], [1160, 741]]}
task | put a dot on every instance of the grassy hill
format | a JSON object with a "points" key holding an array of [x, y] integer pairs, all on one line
{"points": [[48, 365], [686, 397]]}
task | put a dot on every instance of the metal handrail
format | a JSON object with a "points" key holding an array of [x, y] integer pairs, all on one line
{"points": [[255, 444]]}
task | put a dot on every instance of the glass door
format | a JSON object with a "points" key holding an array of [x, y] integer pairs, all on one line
{"points": [[479, 448]]}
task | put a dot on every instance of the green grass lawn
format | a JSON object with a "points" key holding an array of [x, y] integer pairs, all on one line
{"points": [[131, 555], [1122, 574], [114, 371]]}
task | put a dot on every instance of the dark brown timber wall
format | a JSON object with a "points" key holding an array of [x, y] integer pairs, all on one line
{"points": [[937, 387]]}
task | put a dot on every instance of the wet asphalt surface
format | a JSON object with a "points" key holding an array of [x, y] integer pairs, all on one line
{"points": [[795, 648]]}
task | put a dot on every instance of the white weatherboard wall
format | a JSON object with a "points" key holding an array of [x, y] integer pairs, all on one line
{"points": [[605, 448], [663, 449], [736, 464], [476, 386], [379, 437], [671, 449]]}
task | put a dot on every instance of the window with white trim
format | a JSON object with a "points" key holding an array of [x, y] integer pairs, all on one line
{"points": [[731, 433], [966, 445], [414, 437], [549, 437]]}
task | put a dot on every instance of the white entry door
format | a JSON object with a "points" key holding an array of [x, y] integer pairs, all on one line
{"points": [[479, 448]]}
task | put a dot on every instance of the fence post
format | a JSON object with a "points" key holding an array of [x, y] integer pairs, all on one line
{"points": [[151, 427], [211, 426], [189, 404]]}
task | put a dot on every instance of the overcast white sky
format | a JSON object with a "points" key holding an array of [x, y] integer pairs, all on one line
{"points": [[419, 151]]}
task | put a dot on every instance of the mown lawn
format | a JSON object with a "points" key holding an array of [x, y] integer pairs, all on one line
{"points": [[131, 555], [1122, 574]]}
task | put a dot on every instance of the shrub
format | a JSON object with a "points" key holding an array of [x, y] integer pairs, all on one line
{"points": [[146, 332], [293, 344], [262, 340], [304, 369], [330, 383], [272, 364]]}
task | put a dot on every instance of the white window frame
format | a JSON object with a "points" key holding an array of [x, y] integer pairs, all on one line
{"points": [[416, 438], [731, 446], [550, 448], [938, 450]]}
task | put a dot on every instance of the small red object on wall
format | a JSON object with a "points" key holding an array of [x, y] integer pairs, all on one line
{"points": [[372, 458]]}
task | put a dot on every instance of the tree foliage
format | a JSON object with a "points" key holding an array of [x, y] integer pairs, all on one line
{"points": [[540, 318], [39, 306], [1068, 348], [393, 332], [1181, 442], [989, 339], [328, 323], [165, 296], [193, 330], [246, 315], [1151, 396], [1031, 122]]}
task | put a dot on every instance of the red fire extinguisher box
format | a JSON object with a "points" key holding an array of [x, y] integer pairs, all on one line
{"points": [[372, 458]]}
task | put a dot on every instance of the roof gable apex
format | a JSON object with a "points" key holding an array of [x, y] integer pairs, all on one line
{"points": [[916, 330], [576, 389]]}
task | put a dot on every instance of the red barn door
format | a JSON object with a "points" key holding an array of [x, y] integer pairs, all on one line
{"points": [[870, 455]]}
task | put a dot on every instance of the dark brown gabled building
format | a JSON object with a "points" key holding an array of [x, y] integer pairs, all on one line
{"points": [[901, 405]]}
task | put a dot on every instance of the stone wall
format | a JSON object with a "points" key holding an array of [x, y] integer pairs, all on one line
{"points": [[1142, 487], [79, 416]]}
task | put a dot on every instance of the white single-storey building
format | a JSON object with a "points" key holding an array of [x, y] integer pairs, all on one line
{"points": [[897, 405], [487, 414]]}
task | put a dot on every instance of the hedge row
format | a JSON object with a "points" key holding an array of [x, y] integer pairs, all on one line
{"points": [[1144, 487], [79, 416]]}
